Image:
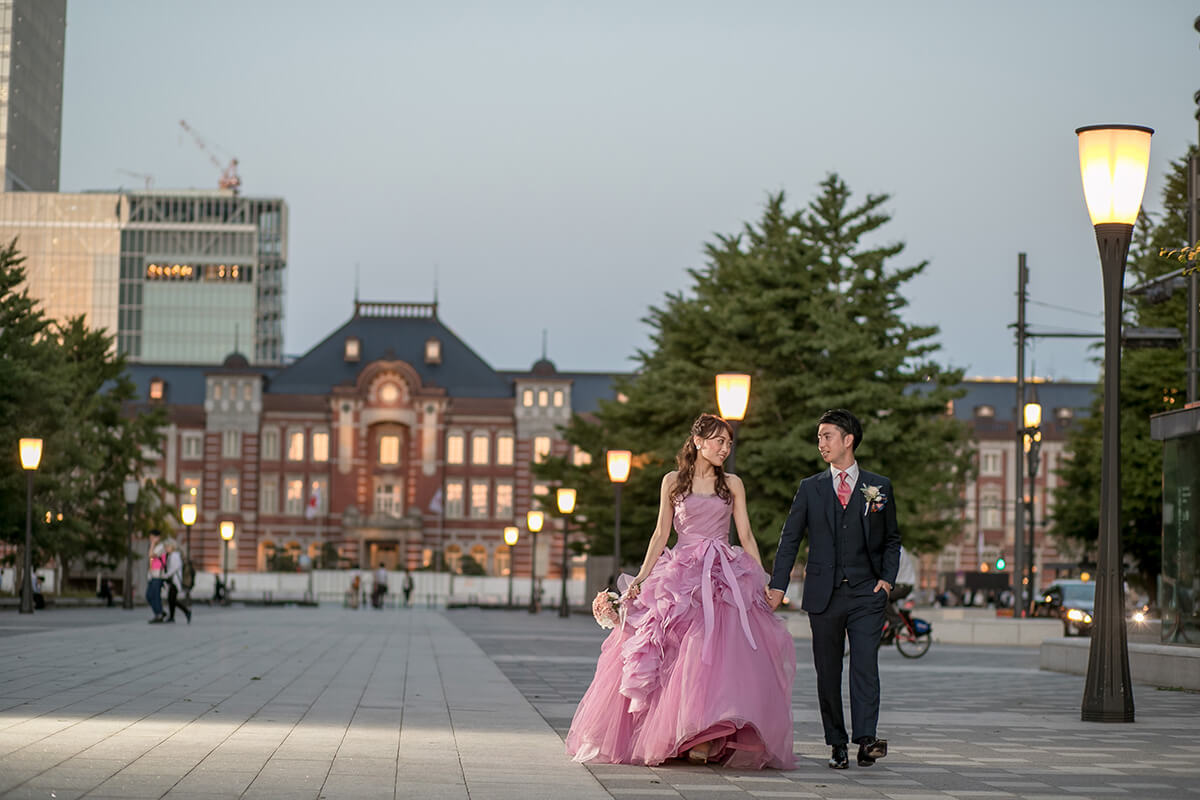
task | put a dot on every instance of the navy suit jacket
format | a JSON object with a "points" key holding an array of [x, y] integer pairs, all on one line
{"points": [[813, 513]]}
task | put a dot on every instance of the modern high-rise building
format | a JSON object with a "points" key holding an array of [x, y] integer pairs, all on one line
{"points": [[184, 277], [32, 33]]}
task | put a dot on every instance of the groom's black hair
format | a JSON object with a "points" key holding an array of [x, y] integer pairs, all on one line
{"points": [[847, 422]]}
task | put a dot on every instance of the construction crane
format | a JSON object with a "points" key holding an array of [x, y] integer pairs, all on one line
{"points": [[229, 178], [147, 178]]}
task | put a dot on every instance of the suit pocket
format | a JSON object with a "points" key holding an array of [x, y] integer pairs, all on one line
{"points": [[812, 569]]}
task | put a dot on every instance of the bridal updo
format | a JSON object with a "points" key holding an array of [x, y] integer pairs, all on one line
{"points": [[706, 426]]}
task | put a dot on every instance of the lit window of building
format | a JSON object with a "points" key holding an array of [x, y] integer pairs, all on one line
{"points": [[294, 504], [157, 389], [504, 449], [320, 446], [503, 560], [558, 398], [581, 457], [454, 448], [229, 493], [454, 558], [433, 351], [189, 488], [454, 499], [504, 500], [389, 498], [479, 556], [543, 398], [479, 448], [295, 450], [353, 349], [319, 488], [541, 448], [985, 411], [389, 449], [527, 398], [479, 500]]}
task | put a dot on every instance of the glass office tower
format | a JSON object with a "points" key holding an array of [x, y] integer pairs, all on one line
{"points": [[32, 34]]}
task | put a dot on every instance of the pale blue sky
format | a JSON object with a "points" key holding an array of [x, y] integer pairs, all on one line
{"points": [[563, 163]]}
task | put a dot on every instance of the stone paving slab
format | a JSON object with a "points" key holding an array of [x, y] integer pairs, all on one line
{"points": [[267, 703], [963, 722]]}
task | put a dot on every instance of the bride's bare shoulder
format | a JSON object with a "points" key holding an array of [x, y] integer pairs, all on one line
{"points": [[668, 481]]}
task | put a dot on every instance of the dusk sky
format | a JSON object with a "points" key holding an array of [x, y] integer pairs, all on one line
{"points": [[561, 165]]}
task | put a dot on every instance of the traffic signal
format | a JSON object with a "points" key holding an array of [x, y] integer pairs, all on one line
{"points": [[1001, 563]]}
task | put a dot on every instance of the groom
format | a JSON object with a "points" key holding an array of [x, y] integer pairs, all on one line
{"points": [[853, 557]]}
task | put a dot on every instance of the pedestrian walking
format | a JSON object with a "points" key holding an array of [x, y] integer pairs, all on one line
{"points": [[174, 578], [39, 599], [407, 586], [105, 592], [379, 589], [154, 575]]}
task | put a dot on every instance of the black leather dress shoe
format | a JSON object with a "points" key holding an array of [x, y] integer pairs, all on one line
{"points": [[840, 758], [870, 749]]}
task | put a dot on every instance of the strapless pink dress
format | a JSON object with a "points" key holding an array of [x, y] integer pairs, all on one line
{"points": [[700, 657]]}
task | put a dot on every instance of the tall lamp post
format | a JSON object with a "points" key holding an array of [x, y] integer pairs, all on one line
{"points": [[31, 457], [533, 521], [733, 395], [131, 488], [227, 530], [187, 515], [1033, 452], [511, 534], [1113, 161], [566, 504], [619, 462]]}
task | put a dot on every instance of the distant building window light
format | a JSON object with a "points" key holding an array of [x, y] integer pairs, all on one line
{"points": [[504, 450], [389, 449], [543, 398], [581, 458], [320, 446], [295, 450], [985, 411], [558, 398], [541, 448], [622, 397], [157, 389], [455, 444], [527, 398], [353, 349], [433, 352], [1064, 414]]}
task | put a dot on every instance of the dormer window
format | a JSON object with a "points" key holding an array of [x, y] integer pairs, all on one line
{"points": [[353, 348], [158, 388], [1064, 414], [985, 411], [433, 351]]}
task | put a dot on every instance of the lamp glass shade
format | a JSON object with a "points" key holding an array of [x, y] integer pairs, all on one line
{"points": [[227, 530], [31, 453], [511, 534], [733, 394], [187, 513], [566, 500], [1113, 161], [131, 489], [618, 465], [1033, 415], [534, 520]]}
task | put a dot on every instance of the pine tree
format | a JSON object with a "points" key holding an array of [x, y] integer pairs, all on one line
{"points": [[810, 308]]}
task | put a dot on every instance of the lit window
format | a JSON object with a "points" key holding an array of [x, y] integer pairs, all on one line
{"points": [[622, 397], [353, 348], [527, 398], [433, 352], [192, 445], [479, 556], [504, 500], [541, 448], [454, 448], [231, 444], [389, 449], [479, 448], [295, 497], [558, 398], [189, 486], [543, 398], [479, 499], [503, 560], [1064, 414], [270, 443], [157, 389], [268, 495], [504, 449], [320, 446], [454, 499], [319, 488], [541, 489], [453, 557], [388, 499], [229, 493], [295, 446], [582, 457], [985, 411]]}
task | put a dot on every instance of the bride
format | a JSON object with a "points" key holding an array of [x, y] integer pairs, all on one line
{"points": [[700, 667]]}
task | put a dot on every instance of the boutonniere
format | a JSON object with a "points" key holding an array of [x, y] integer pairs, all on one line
{"points": [[875, 498]]}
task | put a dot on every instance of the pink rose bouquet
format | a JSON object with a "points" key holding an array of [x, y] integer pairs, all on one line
{"points": [[606, 609]]}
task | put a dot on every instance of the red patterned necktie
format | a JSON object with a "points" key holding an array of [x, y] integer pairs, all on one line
{"points": [[843, 491]]}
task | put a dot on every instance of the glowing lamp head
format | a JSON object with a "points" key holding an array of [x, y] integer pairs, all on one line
{"points": [[511, 533], [534, 520], [618, 465], [227, 530], [1033, 415], [566, 500], [1113, 161], [31, 453], [733, 395], [131, 489], [187, 514]]}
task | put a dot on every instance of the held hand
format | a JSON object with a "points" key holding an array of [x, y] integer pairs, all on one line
{"points": [[887, 587], [774, 598], [634, 589]]}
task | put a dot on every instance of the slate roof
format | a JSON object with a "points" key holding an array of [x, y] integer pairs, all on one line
{"points": [[1002, 396]]}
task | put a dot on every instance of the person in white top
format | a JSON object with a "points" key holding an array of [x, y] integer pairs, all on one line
{"points": [[174, 579], [380, 588]]}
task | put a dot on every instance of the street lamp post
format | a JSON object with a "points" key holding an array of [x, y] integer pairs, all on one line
{"points": [[1033, 448], [733, 395], [533, 521], [31, 457], [619, 462], [1113, 161], [566, 504], [131, 489], [227, 531], [187, 515], [511, 533]]}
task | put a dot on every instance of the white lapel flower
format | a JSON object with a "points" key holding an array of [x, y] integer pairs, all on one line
{"points": [[875, 498]]}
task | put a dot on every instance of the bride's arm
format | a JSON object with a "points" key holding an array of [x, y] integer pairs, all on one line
{"points": [[662, 531], [741, 519]]}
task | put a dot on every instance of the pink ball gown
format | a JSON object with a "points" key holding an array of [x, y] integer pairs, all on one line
{"points": [[700, 657]]}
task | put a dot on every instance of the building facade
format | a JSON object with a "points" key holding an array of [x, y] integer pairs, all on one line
{"points": [[32, 36], [180, 277]]}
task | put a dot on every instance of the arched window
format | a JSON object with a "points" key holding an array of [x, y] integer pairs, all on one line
{"points": [[453, 557], [480, 555], [503, 562]]}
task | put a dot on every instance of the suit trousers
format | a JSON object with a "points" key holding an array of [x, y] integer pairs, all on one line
{"points": [[854, 611]]}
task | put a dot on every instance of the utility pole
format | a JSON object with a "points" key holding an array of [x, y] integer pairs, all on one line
{"points": [[1018, 555], [1193, 286]]}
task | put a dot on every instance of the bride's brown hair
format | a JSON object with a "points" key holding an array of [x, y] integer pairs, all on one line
{"points": [[706, 426]]}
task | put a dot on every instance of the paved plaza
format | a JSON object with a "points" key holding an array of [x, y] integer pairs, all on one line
{"points": [[331, 703]]}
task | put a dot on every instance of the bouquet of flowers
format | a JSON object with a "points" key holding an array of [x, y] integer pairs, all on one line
{"points": [[606, 608]]}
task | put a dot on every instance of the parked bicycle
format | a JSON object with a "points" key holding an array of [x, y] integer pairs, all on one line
{"points": [[912, 636]]}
